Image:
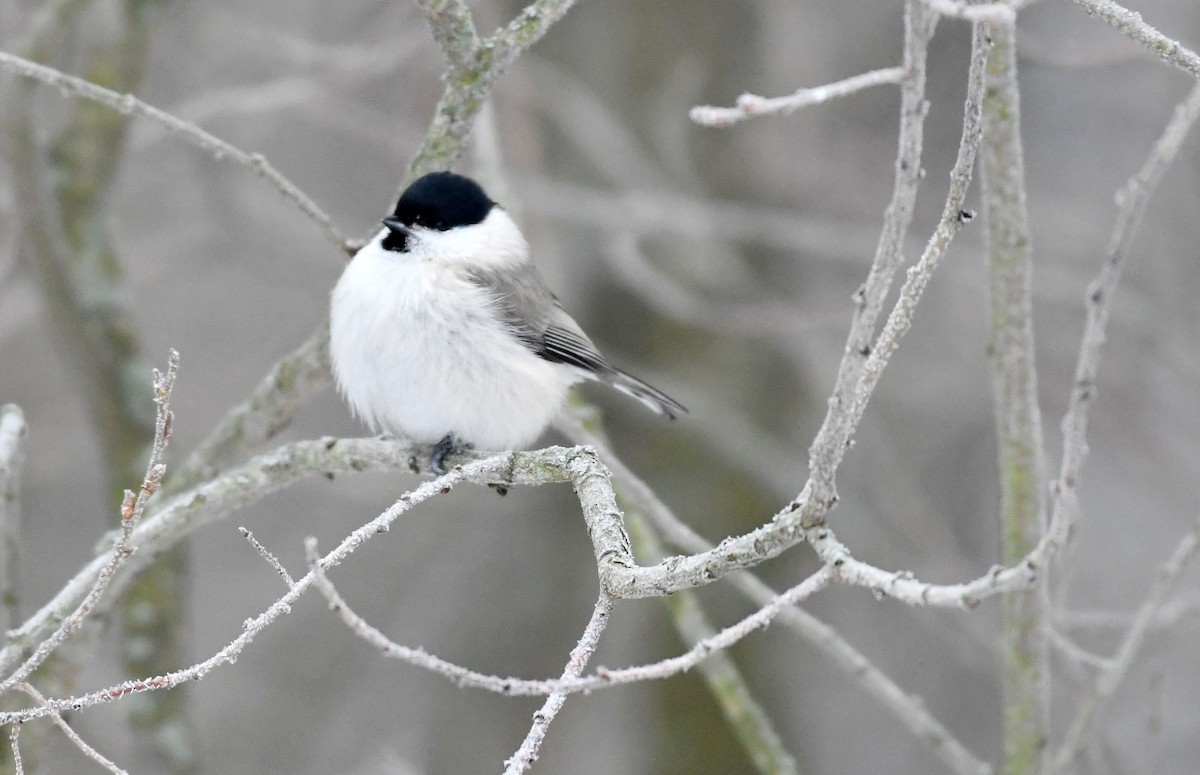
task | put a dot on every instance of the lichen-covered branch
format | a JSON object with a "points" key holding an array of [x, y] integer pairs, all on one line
{"points": [[474, 67], [1018, 418]]}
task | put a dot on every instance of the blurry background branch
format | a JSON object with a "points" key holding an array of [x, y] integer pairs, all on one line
{"points": [[63, 190], [1012, 360], [12, 457]]}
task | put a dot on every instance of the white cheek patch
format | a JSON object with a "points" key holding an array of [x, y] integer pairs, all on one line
{"points": [[493, 243]]}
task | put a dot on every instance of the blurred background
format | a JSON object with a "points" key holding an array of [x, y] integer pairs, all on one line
{"points": [[718, 265]]}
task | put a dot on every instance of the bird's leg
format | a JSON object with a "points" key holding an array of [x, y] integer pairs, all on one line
{"points": [[447, 446]]}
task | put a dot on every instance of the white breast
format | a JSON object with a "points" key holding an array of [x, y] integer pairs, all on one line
{"points": [[417, 352]]}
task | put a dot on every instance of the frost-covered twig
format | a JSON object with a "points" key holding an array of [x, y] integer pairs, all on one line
{"points": [[553, 464], [73, 736], [127, 104], [1131, 24], [14, 739], [751, 105], [266, 554], [131, 512], [184, 513], [527, 753], [601, 678]]}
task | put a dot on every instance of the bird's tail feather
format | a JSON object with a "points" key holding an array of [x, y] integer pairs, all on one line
{"points": [[649, 395]]}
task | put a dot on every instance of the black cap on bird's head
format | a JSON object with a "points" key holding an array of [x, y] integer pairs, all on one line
{"points": [[438, 200]]}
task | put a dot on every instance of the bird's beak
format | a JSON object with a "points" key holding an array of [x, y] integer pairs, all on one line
{"points": [[395, 225]]}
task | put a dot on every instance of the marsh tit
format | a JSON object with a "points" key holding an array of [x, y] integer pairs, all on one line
{"points": [[443, 331]]}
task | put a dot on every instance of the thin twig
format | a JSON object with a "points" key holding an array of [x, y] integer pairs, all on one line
{"points": [[601, 678], [527, 753], [128, 105], [73, 736], [188, 511], [1110, 679], [131, 513], [751, 105], [831, 438], [578, 465], [1132, 202], [265, 553]]}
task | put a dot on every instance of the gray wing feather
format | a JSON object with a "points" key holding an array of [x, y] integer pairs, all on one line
{"points": [[533, 314]]}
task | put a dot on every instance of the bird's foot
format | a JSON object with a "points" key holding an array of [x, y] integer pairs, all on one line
{"points": [[449, 445]]}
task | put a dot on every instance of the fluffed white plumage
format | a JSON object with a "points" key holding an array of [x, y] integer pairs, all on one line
{"points": [[443, 331], [418, 349]]}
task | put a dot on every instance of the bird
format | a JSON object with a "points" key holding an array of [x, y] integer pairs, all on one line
{"points": [[443, 331]]}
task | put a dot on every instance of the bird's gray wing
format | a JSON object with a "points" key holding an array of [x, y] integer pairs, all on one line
{"points": [[520, 299], [533, 315]]}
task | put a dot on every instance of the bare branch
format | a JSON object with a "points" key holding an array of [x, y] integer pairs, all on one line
{"points": [[131, 513], [1110, 679], [1131, 25], [601, 678], [1132, 202], [263, 414], [208, 502], [73, 736], [128, 105], [919, 26], [751, 105], [550, 463], [804, 516], [454, 30], [1018, 418], [527, 754], [271, 559], [475, 67]]}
